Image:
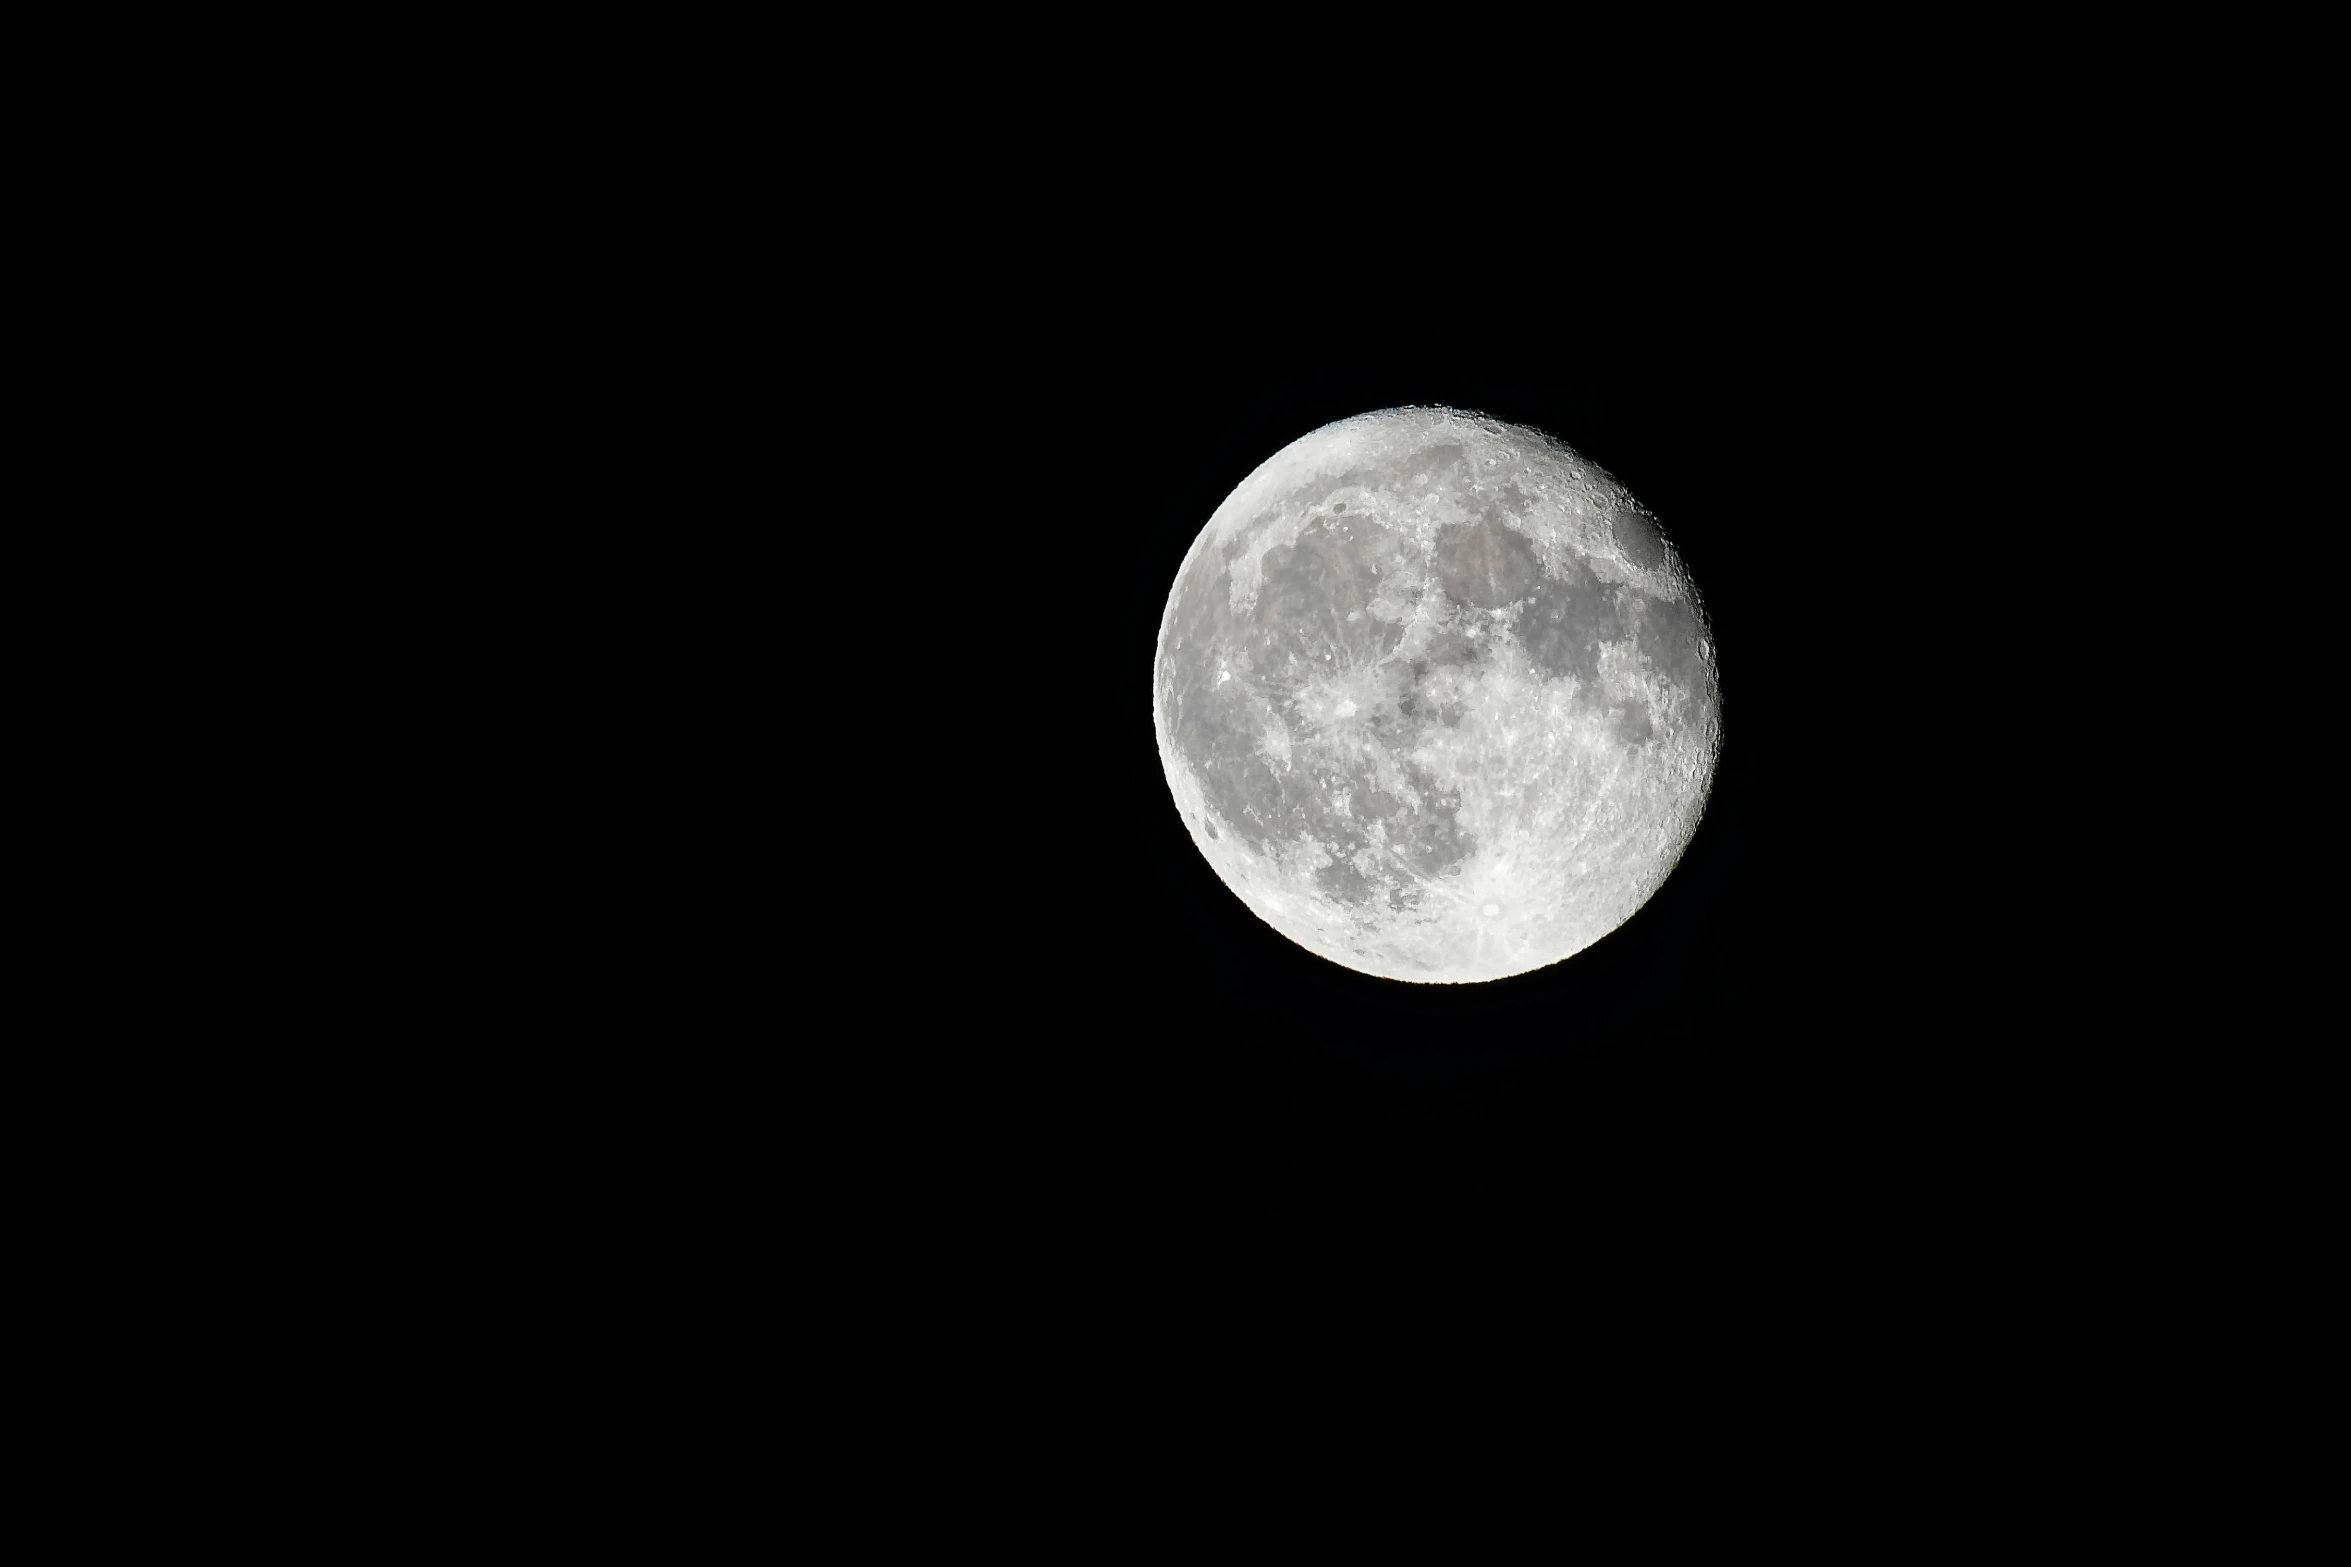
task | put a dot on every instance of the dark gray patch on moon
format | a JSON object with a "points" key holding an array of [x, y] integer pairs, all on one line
{"points": [[1296, 631], [1314, 594], [1429, 462], [1485, 563], [1427, 841], [1323, 489], [1564, 621], [1629, 721], [1637, 540], [1247, 793], [1669, 638], [1340, 880], [1448, 647]]}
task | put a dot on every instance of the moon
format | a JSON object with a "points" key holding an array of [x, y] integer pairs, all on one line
{"points": [[1436, 697]]}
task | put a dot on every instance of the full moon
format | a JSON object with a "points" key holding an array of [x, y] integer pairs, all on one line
{"points": [[1436, 697]]}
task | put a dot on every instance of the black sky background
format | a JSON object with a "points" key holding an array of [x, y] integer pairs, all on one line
{"points": [[1093, 1028], [901, 959], [880, 609], [824, 933], [813, 982]]}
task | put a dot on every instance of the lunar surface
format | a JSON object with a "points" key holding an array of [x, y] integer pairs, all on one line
{"points": [[1436, 697]]}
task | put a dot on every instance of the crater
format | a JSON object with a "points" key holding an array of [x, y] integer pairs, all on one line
{"points": [[1637, 540]]}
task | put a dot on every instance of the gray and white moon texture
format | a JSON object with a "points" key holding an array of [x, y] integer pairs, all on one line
{"points": [[1436, 697]]}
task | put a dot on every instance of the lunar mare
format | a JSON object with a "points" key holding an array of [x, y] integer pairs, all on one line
{"points": [[1436, 697]]}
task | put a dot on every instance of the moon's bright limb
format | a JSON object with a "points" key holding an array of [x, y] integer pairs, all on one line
{"points": [[1435, 697]]}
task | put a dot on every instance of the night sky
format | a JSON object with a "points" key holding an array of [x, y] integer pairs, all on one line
{"points": [[1120, 1036]]}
